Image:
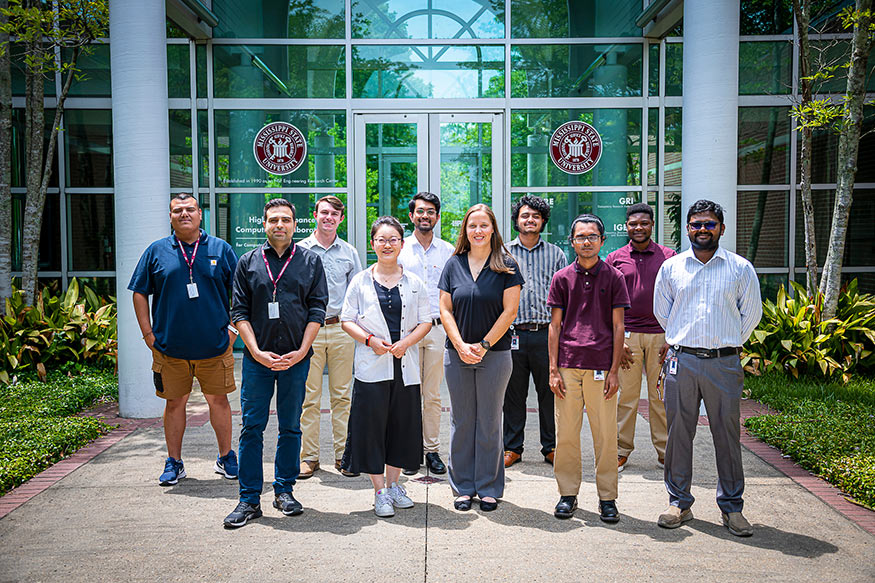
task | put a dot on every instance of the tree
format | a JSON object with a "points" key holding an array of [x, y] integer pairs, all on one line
{"points": [[51, 37], [5, 161]]}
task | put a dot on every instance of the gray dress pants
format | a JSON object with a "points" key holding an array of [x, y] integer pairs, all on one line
{"points": [[718, 382], [476, 461]]}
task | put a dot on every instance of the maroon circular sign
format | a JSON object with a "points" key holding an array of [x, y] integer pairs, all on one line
{"points": [[575, 147], [280, 148]]}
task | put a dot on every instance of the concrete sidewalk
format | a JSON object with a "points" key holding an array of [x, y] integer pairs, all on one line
{"points": [[110, 521]]}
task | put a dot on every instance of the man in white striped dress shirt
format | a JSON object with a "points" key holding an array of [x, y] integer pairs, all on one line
{"points": [[708, 301]]}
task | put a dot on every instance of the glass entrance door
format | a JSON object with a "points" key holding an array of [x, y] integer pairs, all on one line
{"points": [[457, 156]]}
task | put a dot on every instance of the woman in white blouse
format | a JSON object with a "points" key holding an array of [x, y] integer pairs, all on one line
{"points": [[386, 312]]}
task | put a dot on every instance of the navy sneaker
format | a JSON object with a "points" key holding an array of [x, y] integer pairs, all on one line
{"points": [[174, 470], [227, 465], [242, 514]]}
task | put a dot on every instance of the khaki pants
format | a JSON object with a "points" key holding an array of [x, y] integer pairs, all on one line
{"points": [[645, 351], [334, 346], [431, 363], [581, 389]]}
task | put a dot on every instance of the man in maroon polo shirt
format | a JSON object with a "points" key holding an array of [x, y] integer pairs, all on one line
{"points": [[585, 347], [645, 346]]}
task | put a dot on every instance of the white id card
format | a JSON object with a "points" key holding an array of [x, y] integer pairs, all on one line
{"points": [[273, 310], [514, 342], [627, 334], [192, 290], [598, 375], [673, 365]]}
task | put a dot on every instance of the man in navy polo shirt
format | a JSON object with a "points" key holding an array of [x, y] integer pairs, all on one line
{"points": [[189, 276]]}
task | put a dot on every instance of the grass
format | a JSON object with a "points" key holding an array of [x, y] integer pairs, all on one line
{"points": [[826, 427], [38, 422]]}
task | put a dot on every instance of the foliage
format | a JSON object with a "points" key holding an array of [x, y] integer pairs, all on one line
{"points": [[827, 428], [57, 329], [37, 422], [793, 337]]}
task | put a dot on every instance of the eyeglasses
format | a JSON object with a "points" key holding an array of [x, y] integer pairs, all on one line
{"points": [[591, 238], [696, 225], [421, 212], [383, 242]]}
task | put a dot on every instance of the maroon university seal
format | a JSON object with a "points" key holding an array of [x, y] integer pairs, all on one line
{"points": [[575, 147], [280, 148]]}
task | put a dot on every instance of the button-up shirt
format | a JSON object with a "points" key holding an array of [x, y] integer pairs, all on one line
{"points": [[362, 306], [639, 268], [537, 265], [341, 262], [707, 305], [301, 293], [427, 265]]}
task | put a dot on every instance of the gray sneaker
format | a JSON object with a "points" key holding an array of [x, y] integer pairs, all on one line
{"points": [[737, 524], [673, 517], [399, 496], [383, 503]]}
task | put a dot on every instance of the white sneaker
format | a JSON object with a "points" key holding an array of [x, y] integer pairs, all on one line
{"points": [[383, 503], [399, 496]]}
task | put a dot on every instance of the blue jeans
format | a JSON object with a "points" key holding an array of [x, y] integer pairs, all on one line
{"points": [[255, 396]]}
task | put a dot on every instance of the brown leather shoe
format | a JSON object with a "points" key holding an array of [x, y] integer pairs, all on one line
{"points": [[549, 457], [621, 462], [337, 464], [510, 458], [308, 468]]}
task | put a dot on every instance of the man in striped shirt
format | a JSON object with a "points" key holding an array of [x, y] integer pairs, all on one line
{"points": [[708, 301]]}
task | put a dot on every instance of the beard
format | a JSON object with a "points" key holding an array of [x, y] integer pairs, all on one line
{"points": [[712, 244], [424, 227]]}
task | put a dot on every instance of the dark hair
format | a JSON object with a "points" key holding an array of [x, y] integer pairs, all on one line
{"points": [[182, 197], [275, 202], [388, 222], [536, 203], [705, 206], [587, 218], [639, 207], [426, 197], [331, 200]]}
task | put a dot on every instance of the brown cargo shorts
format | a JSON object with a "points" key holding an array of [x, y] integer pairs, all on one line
{"points": [[173, 376]]}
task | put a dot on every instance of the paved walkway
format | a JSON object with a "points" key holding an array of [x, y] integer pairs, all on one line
{"points": [[109, 521]]}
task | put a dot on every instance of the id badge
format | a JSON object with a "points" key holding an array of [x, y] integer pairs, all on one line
{"points": [[627, 334], [673, 365], [192, 290], [598, 375], [514, 342], [273, 310]]}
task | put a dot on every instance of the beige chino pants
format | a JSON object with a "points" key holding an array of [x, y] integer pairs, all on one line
{"points": [[645, 350], [431, 362]]}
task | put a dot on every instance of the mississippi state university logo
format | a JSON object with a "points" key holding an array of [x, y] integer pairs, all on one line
{"points": [[575, 147], [280, 148]]}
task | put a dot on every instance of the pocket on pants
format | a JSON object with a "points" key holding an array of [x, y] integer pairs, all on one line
{"points": [[228, 366]]}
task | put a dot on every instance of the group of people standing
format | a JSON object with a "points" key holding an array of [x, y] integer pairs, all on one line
{"points": [[484, 315]]}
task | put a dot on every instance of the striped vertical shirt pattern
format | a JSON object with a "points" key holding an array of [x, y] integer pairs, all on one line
{"points": [[707, 305], [537, 265]]}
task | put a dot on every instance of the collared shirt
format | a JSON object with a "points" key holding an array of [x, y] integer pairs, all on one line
{"points": [[362, 306], [537, 265], [341, 262], [707, 305], [640, 269], [302, 293], [587, 298], [427, 265], [187, 328]]}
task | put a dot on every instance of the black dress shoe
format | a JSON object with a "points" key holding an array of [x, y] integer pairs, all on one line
{"points": [[434, 464], [566, 507], [286, 503], [608, 511], [462, 505], [488, 506], [410, 471]]}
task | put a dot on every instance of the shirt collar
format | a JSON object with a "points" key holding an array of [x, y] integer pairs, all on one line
{"points": [[202, 238], [267, 248], [721, 254], [516, 241], [594, 271], [315, 241], [651, 248]]}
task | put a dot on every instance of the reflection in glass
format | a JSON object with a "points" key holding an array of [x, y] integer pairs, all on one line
{"points": [[443, 72], [770, 283], [420, 19], [764, 68], [91, 232], [200, 54], [203, 149], [859, 243], [653, 73], [88, 147], [279, 18], [574, 18], [180, 148], [673, 143], [836, 53], [178, 67], [674, 69], [18, 169], [466, 172], [576, 70], [763, 145], [671, 218], [50, 233], [93, 78], [652, 147], [774, 17], [279, 71], [826, 143], [762, 227]]}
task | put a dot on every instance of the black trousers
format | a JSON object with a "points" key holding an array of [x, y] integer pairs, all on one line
{"points": [[530, 359]]}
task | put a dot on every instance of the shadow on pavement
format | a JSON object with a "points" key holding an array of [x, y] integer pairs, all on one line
{"points": [[768, 537]]}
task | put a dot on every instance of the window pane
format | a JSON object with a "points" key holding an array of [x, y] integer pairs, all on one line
{"points": [[178, 78], [428, 71], [836, 53], [652, 147], [279, 71], [653, 73], [763, 145], [94, 77], [762, 227], [200, 54], [673, 139], [279, 19], [674, 69], [671, 218], [17, 72], [50, 233], [102, 286], [91, 228], [326, 148], [203, 148], [576, 70], [825, 145], [764, 68], [770, 283], [180, 148], [18, 170], [416, 19], [771, 17], [563, 19], [89, 147], [859, 243], [620, 162]]}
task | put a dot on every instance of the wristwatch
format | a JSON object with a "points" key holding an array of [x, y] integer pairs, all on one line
{"points": [[486, 345]]}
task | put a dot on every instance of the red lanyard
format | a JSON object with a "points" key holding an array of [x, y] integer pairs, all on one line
{"points": [[282, 271], [184, 256]]}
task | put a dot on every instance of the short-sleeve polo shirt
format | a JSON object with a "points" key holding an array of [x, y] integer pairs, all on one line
{"points": [[587, 298]]}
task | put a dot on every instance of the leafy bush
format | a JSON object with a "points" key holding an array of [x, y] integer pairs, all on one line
{"points": [[793, 338], [56, 329]]}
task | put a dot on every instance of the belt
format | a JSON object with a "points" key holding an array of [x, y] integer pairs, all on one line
{"points": [[435, 321], [710, 352], [331, 320], [530, 327]]}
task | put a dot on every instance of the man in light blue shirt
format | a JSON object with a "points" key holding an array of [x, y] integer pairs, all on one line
{"points": [[708, 301]]}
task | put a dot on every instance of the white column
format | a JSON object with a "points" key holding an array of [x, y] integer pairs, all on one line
{"points": [[141, 155], [710, 110]]}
